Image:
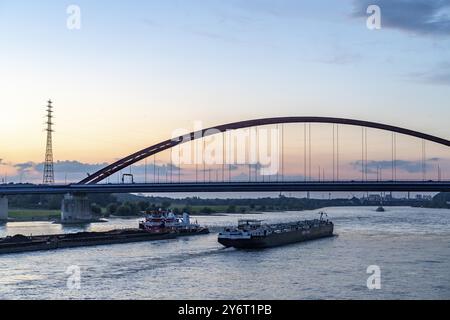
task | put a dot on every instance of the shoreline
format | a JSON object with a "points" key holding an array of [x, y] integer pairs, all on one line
{"points": [[55, 220]]}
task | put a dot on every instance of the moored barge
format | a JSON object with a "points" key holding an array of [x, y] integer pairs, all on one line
{"points": [[157, 226], [20, 243]]}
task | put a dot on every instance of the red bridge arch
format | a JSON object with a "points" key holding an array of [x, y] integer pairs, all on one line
{"points": [[168, 144]]}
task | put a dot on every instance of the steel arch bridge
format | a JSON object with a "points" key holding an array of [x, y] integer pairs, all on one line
{"points": [[171, 143]]}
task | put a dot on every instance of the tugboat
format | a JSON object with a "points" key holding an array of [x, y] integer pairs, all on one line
{"points": [[381, 208], [167, 221], [252, 234]]}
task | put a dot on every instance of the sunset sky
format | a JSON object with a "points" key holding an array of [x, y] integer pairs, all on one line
{"points": [[138, 70]]}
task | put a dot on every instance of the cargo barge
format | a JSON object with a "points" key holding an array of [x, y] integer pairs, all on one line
{"points": [[252, 234], [152, 229], [20, 243]]}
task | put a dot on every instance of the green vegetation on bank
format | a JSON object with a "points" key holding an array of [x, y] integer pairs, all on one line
{"points": [[53, 202], [29, 214], [48, 207]]}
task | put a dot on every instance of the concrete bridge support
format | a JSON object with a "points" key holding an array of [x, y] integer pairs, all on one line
{"points": [[75, 208], [3, 208]]}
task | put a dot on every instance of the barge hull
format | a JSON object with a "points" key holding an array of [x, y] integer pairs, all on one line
{"points": [[53, 243], [185, 233]]}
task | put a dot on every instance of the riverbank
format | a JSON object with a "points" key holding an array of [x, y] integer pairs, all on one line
{"points": [[31, 215], [212, 210], [132, 206]]}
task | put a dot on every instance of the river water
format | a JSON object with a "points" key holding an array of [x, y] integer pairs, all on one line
{"points": [[411, 246]]}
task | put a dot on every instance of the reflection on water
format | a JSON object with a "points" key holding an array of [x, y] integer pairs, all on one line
{"points": [[411, 246]]}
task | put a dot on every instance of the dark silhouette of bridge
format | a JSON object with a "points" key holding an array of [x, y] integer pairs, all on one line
{"points": [[76, 207], [92, 184], [186, 187]]}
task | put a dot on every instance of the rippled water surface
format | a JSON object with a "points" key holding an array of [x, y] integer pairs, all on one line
{"points": [[410, 245]]}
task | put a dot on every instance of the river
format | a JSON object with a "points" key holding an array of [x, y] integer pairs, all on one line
{"points": [[411, 247]]}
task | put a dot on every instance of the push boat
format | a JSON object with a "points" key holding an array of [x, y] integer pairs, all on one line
{"points": [[162, 221], [253, 234]]}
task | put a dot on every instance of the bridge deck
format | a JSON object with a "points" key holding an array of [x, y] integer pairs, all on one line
{"points": [[287, 186]]}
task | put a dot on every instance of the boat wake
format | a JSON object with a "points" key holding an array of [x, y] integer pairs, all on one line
{"points": [[152, 263]]}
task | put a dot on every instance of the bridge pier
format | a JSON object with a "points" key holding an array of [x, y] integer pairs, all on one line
{"points": [[3, 208], [76, 208]]}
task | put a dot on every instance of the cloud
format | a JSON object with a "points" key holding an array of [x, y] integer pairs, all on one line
{"points": [[61, 166], [424, 17], [280, 8], [215, 36], [25, 166], [405, 165], [342, 58], [75, 170], [439, 75]]}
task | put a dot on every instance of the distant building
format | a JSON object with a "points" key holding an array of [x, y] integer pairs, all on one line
{"points": [[424, 197], [374, 197]]}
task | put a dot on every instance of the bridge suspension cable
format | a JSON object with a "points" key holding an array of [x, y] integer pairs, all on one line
{"points": [[310, 152], [334, 160], [337, 152], [145, 174], [363, 157], [128, 161], [305, 153], [223, 157], [394, 156], [424, 160]]}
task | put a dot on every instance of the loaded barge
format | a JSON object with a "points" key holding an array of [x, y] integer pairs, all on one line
{"points": [[157, 226], [252, 234], [20, 243]]}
